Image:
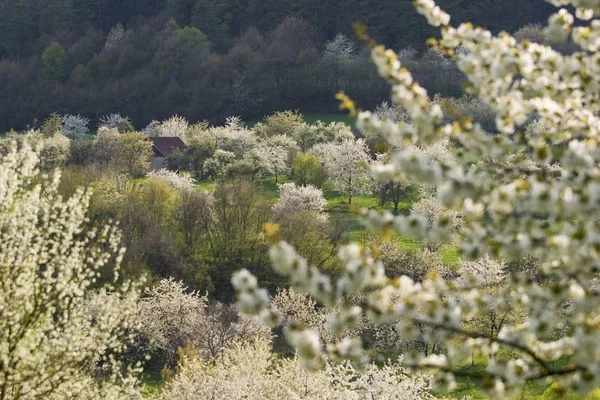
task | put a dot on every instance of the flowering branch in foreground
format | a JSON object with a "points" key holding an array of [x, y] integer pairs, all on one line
{"points": [[549, 213]]}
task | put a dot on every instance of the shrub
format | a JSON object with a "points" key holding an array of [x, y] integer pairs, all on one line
{"points": [[75, 126], [173, 179], [294, 198], [58, 326]]}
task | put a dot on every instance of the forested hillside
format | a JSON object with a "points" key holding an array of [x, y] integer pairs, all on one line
{"points": [[203, 59], [29, 25]]}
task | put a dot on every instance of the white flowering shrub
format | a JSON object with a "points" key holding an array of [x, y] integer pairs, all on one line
{"points": [[54, 149], [347, 166], [173, 317], [408, 54], [175, 126], [234, 122], [294, 198], [551, 217], [56, 329], [249, 370], [414, 264], [152, 129], [487, 271], [298, 307], [340, 48], [433, 213], [256, 162], [115, 36], [112, 121], [278, 151], [392, 112], [239, 141], [286, 142], [531, 32], [332, 132], [218, 165], [490, 276], [437, 60], [280, 123], [468, 106], [75, 126], [173, 179]]}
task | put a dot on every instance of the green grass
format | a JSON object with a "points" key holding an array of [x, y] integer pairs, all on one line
{"points": [[467, 386], [152, 381], [450, 254], [209, 186], [269, 188], [328, 118], [339, 209], [471, 388]]}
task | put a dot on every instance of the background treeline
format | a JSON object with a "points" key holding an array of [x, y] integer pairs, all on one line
{"points": [[206, 59], [28, 26]]}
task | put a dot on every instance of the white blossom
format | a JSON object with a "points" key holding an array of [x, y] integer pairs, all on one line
{"points": [[340, 48], [55, 328], [75, 125], [173, 317], [173, 179], [294, 198], [112, 121], [175, 126], [347, 166], [114, 36], [248, 370]]}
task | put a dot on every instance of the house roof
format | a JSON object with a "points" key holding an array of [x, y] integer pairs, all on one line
{"points": [[164, 146]]}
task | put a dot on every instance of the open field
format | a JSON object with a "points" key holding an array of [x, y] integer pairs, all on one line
{"points": [[338, 208]]}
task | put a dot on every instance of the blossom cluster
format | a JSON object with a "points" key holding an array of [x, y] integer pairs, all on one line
{"points": [[75, 125], [115, 36], [347, 165], [249, 370], [171, 317], [173, 179], [58, 322], [175, 126], [112, 121], [294, 198]]}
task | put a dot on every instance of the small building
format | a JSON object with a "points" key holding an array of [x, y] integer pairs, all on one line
{"points": [[163, 147]]}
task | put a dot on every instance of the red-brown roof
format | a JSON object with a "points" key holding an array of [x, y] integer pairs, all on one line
{"points": [[164, 146]]}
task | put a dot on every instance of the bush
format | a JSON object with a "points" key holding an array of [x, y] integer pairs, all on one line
{"points": [[75, 126], [307, 170], [59, 326], [293, 199]]}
